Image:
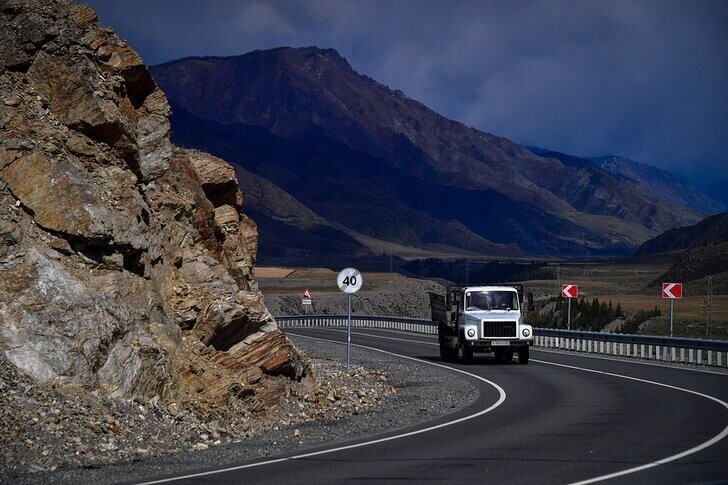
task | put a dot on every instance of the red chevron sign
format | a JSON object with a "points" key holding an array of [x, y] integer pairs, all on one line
{"points": [[672, 290], [570, 291]]}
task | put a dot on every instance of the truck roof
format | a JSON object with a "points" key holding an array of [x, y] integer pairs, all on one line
{"points": [[490, 288]]}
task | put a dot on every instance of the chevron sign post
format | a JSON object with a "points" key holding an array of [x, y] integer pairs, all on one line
{"points": [[673, 291], [569, 291]]}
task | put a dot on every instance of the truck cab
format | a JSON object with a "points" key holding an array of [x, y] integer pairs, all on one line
{"points": [[482, 319]]}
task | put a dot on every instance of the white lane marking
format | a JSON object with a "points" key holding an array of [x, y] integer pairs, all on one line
{"points": [[631, 360], [628, 471], [662, 461], [625, 359], [501, 399]]}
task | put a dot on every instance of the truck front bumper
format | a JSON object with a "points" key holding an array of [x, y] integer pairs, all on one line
{"points": [[486, 345]]}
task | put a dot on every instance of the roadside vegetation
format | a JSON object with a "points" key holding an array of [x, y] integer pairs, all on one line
{"points": [[589, 315]]}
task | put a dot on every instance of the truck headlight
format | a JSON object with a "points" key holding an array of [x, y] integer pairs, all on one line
{"points": [[471, 332], [526, 332]]}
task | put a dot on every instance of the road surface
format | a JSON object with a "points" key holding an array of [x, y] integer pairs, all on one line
{"points": [[561, 419]]}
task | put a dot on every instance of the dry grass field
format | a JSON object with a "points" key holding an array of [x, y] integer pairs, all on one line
{"points": [[629, 285], [620, 282]]}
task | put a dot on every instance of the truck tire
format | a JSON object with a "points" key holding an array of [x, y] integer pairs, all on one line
{"points": [[467, 353], [447, 354], [523, 355]]}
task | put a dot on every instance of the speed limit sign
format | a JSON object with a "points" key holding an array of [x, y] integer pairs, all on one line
{"points": [[349, 280]]}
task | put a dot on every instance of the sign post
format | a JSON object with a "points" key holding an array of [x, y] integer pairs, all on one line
{"points": [[349, 281], [569, 291], [673, 291], [306, 300]]}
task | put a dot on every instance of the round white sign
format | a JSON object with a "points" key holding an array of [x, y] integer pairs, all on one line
{"points": [[349, 280]]}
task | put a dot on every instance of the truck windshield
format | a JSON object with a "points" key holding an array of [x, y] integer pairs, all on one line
{"points": [[491, 300]]}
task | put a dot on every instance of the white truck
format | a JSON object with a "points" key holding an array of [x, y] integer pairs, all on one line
{"points": [[481, 319]]}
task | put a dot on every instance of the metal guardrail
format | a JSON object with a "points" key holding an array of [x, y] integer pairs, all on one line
{"points": [[649, 347], [655, 340], [415, 325], [652, 347]]}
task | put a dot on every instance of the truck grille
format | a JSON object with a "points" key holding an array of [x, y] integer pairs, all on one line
{"points": [[499, 329]]}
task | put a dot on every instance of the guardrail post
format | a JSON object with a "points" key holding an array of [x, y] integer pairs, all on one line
{"points": [[629, 346]]}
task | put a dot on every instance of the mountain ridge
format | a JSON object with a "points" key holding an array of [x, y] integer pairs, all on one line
{"points": [[493, 187], [711, 229]]}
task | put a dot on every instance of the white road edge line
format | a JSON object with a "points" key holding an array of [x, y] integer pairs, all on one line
{"points": [[628, 471], [630, 360], [501, 399], [662, 461], [615, 358]]}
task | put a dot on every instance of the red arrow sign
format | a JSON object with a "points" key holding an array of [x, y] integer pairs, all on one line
{"points": [[306, 295], [570, 291], [672, 290]]}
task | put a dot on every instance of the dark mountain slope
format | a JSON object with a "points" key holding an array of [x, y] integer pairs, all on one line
{"points": [[662, 184], [374, 160], [638, 197], [710, 229], [378, 200]]}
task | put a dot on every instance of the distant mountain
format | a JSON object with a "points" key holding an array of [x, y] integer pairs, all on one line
{"points": [[694, 265], [658, 183], [289, 231], [701, 251], [711, 229], [661, 183], [391, 173]]}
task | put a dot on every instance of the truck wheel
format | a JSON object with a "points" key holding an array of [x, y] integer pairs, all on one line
{"points": [[447, 354], [508, 356], [523, 355], [467, 353]]}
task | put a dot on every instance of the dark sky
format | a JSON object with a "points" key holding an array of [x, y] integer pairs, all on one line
{"points": [[643, 79]]}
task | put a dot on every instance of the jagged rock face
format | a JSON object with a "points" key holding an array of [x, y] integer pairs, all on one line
{"points": [[125, 263]]}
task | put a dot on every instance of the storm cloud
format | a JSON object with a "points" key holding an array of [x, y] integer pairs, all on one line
{"points": [[643, 79]]}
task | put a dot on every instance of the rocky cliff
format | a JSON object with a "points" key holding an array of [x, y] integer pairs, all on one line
{"points": [[126, 264]]}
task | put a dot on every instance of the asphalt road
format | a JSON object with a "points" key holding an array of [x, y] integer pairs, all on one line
{"points": [[560, 419]]}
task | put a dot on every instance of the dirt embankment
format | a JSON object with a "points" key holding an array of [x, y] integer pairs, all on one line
{"points": [[381, 294]]}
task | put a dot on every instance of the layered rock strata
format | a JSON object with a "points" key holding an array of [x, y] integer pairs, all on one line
{"points": [[126, 264]]}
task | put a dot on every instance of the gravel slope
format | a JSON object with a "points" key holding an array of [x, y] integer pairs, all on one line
{"points": [[421, 392]]}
